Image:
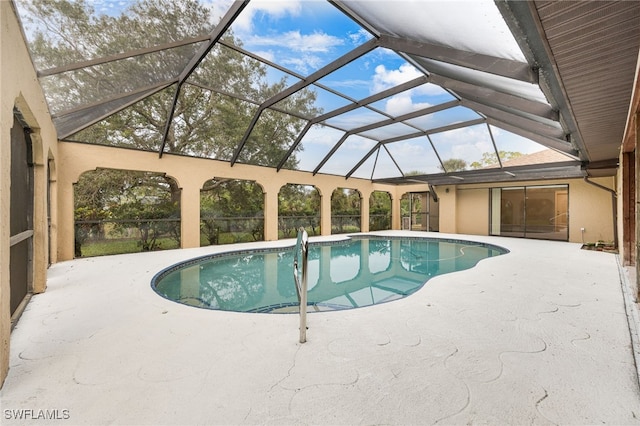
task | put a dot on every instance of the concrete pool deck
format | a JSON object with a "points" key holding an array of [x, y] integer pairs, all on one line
{"points": [[537, 336]]}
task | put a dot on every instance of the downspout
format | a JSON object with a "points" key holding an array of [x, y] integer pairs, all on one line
{"points": [[613, 205]]}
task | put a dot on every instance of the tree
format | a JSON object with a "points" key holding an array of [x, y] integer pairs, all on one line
{"points": [[490, 158], [227, 202], [213, 108], [207, 123], [379, 211], [345, 209], [148, 218], [298, 206], [453, 165], [131, 199]]}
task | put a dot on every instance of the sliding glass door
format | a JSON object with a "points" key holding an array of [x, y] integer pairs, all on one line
{"points": [[530, 212]]}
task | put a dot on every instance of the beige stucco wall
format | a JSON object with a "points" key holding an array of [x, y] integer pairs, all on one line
{"points": [[448, 203], [591, 208], [19, 88], [191, 174], [472, 211], [465, 208]]}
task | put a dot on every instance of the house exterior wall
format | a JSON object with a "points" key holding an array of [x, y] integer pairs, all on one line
{"points": [[591, 208], [465, 208], [472, 212], [19, 89], [448, 196]]}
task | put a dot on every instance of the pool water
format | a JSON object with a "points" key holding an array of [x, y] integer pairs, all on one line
{"points": [[341, 275]]}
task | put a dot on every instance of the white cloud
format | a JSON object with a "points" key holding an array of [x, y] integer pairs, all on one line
{"points": [[384, 78], [297, 42], [300, 52], [278, 8], [217, 8], [403, 103], [269, 55], [431, 89], [359, 37], [303, 64], [348, 83], [273, 8], [359, 143], [357, 118], [467, 143], [416, 148], [507, 141]]}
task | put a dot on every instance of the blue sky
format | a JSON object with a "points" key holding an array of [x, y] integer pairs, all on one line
{"points": [[306, 35]]}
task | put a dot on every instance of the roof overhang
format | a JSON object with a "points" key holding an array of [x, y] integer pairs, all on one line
{"points": [[560, 170]]}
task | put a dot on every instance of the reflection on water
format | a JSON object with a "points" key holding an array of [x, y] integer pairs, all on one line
{"points": [[342, 275]]}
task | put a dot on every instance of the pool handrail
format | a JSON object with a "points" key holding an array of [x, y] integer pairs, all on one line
{"points": [[300, 269]]}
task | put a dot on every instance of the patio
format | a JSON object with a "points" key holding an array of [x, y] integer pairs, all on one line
{"points": [[537, 336]]}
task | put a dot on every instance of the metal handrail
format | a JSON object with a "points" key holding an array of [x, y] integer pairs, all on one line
{"points": [[300, 259], [556, 217]]}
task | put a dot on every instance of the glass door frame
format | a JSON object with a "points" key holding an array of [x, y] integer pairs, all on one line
{"points": [[539, 215]]}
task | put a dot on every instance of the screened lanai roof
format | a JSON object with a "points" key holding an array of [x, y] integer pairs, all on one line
{"points": [[392, 91]]}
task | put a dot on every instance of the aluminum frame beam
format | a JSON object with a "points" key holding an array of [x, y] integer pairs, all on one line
{"points": [[517, 120], [521, 71], [352, 106], [557, 144], [322, 72], [565, 169], [493, 95], [126, 55], [408, 116], [412, 136]]}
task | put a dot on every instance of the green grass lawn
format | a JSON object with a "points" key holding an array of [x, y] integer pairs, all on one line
{"points": [[120, 246]]}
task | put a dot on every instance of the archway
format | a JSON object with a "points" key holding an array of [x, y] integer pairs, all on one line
{"points": [[124, 211], [379, 211], [345, 211], [298, 206], [231, 211]]}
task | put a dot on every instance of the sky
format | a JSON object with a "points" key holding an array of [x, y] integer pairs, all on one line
{"points": [[306, 35]]}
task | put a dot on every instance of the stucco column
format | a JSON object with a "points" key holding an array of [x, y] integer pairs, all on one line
{"points": [[325, 212], [364, 212], [40, 229], [52, 228], [66, 233], [190, 216], [6, 119], [271, 213], [396, 215]]}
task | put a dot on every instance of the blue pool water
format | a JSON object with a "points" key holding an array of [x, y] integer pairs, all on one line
{"points": [[341, 275]]}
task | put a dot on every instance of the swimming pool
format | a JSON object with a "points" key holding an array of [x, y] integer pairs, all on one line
{"points": [[360, 271]]}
